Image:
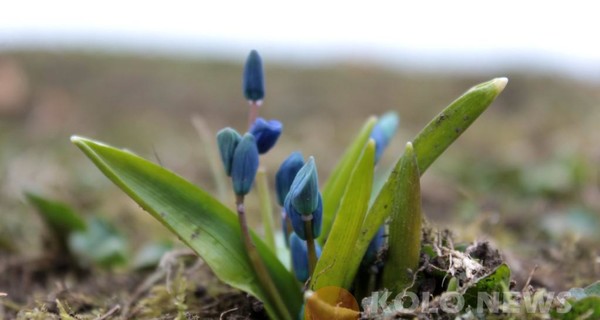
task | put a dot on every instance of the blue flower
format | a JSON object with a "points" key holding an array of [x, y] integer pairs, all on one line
{"points": [[304, 192], [253, 80], [383, 132], [297, 219], [286, 174], [244, 165], [266, 133], [299, 252], [227, 140]]}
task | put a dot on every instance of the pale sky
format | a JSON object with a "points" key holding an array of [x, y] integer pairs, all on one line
{"points": [[459, 31]]}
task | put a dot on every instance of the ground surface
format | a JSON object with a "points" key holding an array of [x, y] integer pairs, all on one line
{"points": [[524, 177]]}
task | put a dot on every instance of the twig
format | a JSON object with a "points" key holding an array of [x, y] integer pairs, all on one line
{"points": [[156, 156], [164, 267], [225, 312], [110, 312], [414, 279], [530, 277]]}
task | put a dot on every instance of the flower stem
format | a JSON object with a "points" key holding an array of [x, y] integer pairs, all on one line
{"points": [[257, 263], [310, 243], [253, 112], [266, 208]]}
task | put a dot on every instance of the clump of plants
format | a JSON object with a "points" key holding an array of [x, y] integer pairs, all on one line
{"points": [[74, 242], [346, 236]]}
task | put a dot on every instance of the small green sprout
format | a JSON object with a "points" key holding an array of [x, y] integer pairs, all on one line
{"points": [[86, 242]]}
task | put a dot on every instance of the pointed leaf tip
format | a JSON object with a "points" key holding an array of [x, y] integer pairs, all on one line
{"points": [[500, 83]]}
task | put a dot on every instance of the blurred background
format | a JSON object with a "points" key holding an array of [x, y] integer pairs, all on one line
{"points": [[132, 74]]}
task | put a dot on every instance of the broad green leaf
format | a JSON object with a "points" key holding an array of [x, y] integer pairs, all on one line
{"points": [[331, 270], [494, 282], [59, 217], [199, 220], [428, 145], [100, 244], [404, 241], [334, 187], [447, 126]]}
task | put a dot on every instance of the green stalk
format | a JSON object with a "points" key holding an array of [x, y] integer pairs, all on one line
{"points": [[209, 147], [258, 264], [404, 241], [310, 244], [266, 209]]}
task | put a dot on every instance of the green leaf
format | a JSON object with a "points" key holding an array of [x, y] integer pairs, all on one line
{"points": [[404, 241], [428, 145], [593, 289], [201, 222], [58, 216], [586, 308], [331, 270], [385, 204], [452, 285], [99, 244], [497, 281], [584, 301], [334, 187], [447, 126]]}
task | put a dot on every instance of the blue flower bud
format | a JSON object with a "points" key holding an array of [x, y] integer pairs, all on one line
{"points": [[297, 219], [304, 191], [244, 165], [286, 174], [374, 247], [383, 132], [266, 133], [227, 140], [299, 252], [253, 80]]}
